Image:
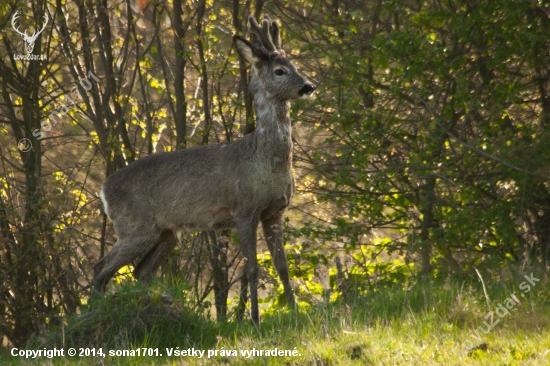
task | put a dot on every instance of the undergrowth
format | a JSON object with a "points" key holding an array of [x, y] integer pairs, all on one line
{"points": [[426, 323]]}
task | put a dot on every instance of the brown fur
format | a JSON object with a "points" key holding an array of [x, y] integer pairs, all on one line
{"points": [[235, 184]]}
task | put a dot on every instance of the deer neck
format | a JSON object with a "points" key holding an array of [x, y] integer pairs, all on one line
{"points": [[273, 121]]}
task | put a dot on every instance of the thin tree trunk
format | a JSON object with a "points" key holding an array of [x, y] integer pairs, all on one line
{"points": [[218, 258], [179, 76], [243, 296], [427, 221]]}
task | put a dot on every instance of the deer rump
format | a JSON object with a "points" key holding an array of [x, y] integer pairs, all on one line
{"points": [[154, 199]]}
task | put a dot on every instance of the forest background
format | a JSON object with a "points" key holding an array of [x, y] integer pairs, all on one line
{"points": [[424, 154]]}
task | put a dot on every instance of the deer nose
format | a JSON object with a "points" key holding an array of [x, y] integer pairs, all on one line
{"points": [[306, 89]]}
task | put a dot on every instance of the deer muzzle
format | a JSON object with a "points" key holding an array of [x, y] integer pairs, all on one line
{"points": [[306, 91]]}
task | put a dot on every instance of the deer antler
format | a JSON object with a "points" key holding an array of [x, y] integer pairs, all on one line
{"points": [[276, 35], [25, 36], [268, 35], [35, 33], [15, 16]]}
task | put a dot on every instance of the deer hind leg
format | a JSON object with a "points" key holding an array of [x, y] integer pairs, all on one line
{"points": [[149, 264], [273, 232], [247, 237], [124, 251]]}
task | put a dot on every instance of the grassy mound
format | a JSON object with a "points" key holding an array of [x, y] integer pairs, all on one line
{"points": [[133, 317]]}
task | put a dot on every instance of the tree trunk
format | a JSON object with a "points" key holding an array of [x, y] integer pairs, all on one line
{"points": [[427, 221], [179, 76]]}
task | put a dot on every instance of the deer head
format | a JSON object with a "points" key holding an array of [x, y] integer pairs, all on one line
{"points": [[29, 40], [272, 73]]}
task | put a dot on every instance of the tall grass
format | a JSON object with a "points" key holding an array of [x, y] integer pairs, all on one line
{"points": [[424, 322]]}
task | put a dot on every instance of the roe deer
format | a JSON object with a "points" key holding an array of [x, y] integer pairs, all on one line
{"points": [[232, 184]]}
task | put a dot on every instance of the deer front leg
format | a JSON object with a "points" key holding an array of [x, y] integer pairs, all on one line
{"points": [[273, 232], [247, 237]]}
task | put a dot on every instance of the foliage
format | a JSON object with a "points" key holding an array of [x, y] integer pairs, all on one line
{"points": [[428, 118], [425, 152]]}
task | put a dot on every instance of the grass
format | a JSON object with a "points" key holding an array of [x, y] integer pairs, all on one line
{"points": [[425, 323]]}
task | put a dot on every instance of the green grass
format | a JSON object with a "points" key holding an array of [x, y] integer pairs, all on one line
{"points": [[426, 323]]}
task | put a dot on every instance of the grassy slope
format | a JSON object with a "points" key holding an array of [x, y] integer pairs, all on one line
{"points": [[426, 324]]}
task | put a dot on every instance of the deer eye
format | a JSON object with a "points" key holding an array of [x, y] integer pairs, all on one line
{"points": [[279, 72]]}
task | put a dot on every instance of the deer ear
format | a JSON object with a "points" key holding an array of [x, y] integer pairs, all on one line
{"points": [[247, 51]]}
